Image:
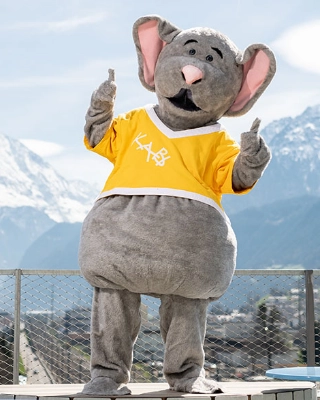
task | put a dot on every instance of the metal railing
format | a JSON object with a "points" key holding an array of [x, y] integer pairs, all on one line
{"points": [[267, 318]]}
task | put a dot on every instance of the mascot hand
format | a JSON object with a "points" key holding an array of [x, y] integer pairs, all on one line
{"points": [[252, 144], [253, 158], [100, 113], [106, 92], [255, 125]]}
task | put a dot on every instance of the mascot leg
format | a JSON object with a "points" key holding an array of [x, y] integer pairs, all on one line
{"points": [[183, 326], [114, 328]]}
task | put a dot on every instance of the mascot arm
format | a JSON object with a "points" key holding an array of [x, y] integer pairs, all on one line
{"points": [[252, 160], [100, 113]]}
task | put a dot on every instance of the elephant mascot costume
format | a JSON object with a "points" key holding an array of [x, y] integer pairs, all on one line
{"points": [[158, 227]]}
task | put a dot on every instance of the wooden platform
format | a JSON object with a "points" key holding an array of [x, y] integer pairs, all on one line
{"points": [[274, 390]]}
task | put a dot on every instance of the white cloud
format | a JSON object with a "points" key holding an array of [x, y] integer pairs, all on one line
{"points": [[86, 73], [34, 81], [43, 148], [299, 46], [82, 165], [57, 26], [73, 23]]}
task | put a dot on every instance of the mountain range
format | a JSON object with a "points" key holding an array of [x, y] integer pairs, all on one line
{"points": [[294, 169], [26, 180], [277, 223], [284, 234], [33, 199]]}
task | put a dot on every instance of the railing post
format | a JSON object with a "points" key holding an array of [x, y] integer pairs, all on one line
{"points": [[310, 320], [17, 315]]}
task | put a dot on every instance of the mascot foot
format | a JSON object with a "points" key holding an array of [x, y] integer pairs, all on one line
{"points": [[104, 386], [196, 385]]}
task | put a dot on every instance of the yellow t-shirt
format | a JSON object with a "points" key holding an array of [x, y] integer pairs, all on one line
{"points": [[151, 159]]}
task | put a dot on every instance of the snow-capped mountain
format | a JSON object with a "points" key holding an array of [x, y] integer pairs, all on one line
{"points": [[295, 166], [296, 154], [27, 180], [299, 139]]}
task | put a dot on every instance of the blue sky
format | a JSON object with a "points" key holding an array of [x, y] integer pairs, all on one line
{"points": [[54, 53]]}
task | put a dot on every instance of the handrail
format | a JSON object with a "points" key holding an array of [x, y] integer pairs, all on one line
{"points": [[308, 287], [240, 272], [17, 316], [310, 319]]}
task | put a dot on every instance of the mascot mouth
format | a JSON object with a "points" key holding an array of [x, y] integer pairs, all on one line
{"points": [[184, 100]]}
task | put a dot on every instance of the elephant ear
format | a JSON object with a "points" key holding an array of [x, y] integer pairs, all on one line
{"points": [[259, 67], [150, 34]]}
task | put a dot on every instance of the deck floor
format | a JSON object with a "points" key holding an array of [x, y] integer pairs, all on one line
{"points": [[232, 390]]}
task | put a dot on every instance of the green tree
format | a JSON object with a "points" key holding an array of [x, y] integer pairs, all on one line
{"points": [[6, 356], [302, 353], [267, 338]]}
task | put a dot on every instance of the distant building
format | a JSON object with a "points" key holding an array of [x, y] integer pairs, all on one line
{"points": [[149, 345], [76, 325], [6, 319], [34, 316]]}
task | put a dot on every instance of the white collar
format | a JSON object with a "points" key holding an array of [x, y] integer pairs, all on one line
{"points": [[203, 130]]}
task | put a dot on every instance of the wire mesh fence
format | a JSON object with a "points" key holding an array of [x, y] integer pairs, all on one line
{"points": [[260, 323]]}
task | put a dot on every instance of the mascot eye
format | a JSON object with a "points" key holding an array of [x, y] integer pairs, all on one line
{"points": [[209, 58], [192, 52]]}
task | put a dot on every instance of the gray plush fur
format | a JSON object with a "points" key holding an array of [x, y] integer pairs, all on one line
{"points": [[180, 250]]}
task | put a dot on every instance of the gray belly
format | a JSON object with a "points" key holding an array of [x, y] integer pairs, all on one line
{"points": [[157, 245]]}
